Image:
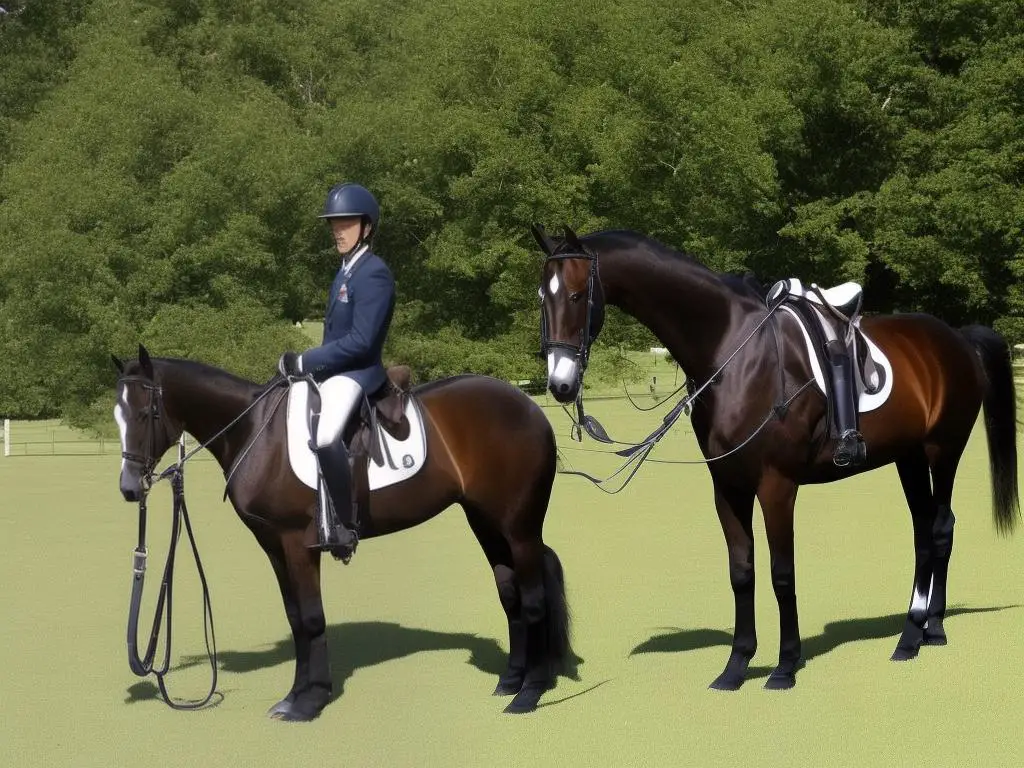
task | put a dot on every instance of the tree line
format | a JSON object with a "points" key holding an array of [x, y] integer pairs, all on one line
{"points": [[162, 163]]}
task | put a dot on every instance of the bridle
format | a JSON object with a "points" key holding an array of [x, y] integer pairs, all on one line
{"points": [[152, 413], [591, 327]]}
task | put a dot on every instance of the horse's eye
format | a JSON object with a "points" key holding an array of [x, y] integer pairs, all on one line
{"points": [[574, 297], [540, 293]]}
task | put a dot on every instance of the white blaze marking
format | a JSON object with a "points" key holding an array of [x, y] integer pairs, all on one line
{"points": [[553, 285], [561, 366], [122, 421]]}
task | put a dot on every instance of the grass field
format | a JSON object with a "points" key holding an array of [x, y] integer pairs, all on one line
{"points": [[417, 635]]}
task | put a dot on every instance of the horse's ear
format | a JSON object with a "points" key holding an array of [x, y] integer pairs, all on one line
{"points": [[572, 240], [542, 239], [117, 363], [145, 362]]}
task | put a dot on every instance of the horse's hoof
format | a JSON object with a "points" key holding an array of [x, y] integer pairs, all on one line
{"points": [[904, 654], [508, 687], [296, 716], [526, 700], [780, 681], [281, 708], [934, 640], [726, 682]]}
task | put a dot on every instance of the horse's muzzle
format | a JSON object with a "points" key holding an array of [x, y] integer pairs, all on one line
{"points": [[563, 376], [131, 487]]}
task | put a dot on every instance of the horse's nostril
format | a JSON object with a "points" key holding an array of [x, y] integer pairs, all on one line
{"points": [[563, 388]]}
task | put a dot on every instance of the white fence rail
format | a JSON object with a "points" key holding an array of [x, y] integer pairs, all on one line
{"points": [[51, 438]]}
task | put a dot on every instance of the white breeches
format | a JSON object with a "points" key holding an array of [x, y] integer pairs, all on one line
{"points": [[339, 397]]}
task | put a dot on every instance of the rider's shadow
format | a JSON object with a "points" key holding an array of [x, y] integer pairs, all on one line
{"points": [[836, 633], [353, 646]]}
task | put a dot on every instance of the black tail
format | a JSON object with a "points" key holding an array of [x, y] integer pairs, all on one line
{"points": [[1000, 423], [561, 659]]}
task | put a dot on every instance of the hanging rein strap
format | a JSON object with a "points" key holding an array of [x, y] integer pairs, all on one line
{"points": [[179, 517], [144, 666]]}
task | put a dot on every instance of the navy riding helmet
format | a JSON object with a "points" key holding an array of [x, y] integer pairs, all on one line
{"points": [[351, 200]]}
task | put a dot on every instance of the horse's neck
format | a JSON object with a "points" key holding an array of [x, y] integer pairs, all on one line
{"points": [[687, 306], [206, 406]]}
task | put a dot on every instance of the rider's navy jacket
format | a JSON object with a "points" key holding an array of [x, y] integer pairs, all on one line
{"points": [[359, 309]]}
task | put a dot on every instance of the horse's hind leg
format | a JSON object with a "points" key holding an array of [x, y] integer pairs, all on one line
{"points": [[914, 476], [500, 558], [528, 558], [943, 471]]}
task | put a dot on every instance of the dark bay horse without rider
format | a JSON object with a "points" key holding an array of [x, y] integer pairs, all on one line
{"points": [[489, 448], [941, 379]]}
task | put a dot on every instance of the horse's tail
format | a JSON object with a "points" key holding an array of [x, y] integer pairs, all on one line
{"points": [[560, 659], [1000, 405]]}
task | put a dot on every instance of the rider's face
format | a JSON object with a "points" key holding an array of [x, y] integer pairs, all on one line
{"points": [[346, 230]]}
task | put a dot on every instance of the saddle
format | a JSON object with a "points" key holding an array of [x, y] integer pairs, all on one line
{"points": [[831, 315], [386, 408]]}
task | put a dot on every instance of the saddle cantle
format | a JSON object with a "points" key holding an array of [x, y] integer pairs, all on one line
{"points": [[389, 430], [831, 314]]}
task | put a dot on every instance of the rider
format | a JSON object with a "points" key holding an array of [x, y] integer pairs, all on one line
{"points": [[348, 363]]}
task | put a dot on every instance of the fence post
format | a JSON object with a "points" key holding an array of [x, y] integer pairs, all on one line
{"points": [[7, 437]]}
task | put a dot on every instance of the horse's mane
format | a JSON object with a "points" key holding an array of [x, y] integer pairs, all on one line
{"points": [[204, 372], [746, 284]]}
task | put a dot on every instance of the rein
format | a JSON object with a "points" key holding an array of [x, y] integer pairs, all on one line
{"points": [[143, 666]]}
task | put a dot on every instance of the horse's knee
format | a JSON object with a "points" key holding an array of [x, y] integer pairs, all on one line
{"points": [[784, 578], [741, 575], [312, 619]]}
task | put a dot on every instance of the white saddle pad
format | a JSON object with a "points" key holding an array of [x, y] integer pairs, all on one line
{"points": [[882, 368], [402, 458]]}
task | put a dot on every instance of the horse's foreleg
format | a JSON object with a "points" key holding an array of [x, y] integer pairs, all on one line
{"points": [[914, 476], [735, 512], [777, 496], [272, 546], [312, 688]]}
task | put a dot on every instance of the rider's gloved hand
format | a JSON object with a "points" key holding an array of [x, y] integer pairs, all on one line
{"points": [[290, 365]]}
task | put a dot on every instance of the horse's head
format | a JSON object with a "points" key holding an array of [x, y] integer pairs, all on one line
{"points": [[571, 311], [146, 430]]}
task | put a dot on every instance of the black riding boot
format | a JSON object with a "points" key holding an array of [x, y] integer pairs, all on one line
{"points": [[336, 475], [850, 449]]}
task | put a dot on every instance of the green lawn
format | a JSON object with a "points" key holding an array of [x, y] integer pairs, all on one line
{"points": [[416, 632]]}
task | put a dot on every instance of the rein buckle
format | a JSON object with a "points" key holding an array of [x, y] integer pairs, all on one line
{"points": [[139, 561]]}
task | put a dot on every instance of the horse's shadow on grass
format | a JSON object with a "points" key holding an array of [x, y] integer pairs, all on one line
{"points": [[836, 633], [353, 646]]}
